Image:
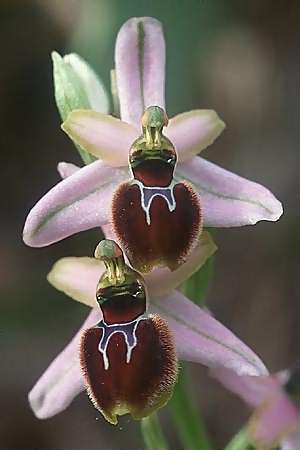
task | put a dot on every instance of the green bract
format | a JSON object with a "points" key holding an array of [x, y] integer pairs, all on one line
{"points": [[77, 86]]}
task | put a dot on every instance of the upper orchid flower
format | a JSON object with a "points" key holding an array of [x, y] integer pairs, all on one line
{"points": [[156, 218], [275, 400], [84, 200]]}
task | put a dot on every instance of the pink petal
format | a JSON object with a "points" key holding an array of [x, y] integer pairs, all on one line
{"points": [[65, 169], [160, 281], [291, 442], [229, 200], [62, 381], [77, 203], [275, 416], [201, 338], [102, 135], [193, 131], [254, 390], [274, 420], [140, 67]]}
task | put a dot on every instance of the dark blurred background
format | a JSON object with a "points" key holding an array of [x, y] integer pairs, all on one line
{"points": [[239, 58]]}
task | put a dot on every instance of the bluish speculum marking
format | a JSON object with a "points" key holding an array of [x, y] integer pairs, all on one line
{"points": [[129, 332], [148, 193]]}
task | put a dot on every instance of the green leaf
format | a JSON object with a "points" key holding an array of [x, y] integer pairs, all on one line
{"points": [[69, 94], [240, 441], [189, 425], [152, 434]]}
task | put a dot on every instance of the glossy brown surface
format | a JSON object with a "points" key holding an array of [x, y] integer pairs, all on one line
{"points": [[169, 237], [154, 172], [122, 308], [143, 384]]}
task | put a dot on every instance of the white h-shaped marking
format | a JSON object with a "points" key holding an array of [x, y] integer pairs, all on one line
{"points": [[128, 329], [148, 193]]}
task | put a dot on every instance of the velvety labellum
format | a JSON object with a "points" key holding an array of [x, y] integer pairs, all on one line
{"points": [[140, 370], [156, 225]]}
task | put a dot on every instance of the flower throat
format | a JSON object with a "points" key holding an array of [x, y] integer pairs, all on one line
{"points": [[152, 160]]}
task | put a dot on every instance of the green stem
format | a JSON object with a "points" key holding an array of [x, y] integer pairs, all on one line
{"points": [[189, 425], [240, 441], [152, 433], [197, 286]]}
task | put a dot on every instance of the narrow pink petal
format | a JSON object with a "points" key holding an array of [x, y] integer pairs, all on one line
{"points": [[274, 420], [77, 278], [201, 338], [77, 203], [193, 131], [254, 390], [153, 76], [140, 67], [229, 200], [102, 135], [160, 281], [62, 381], [65, 169]]}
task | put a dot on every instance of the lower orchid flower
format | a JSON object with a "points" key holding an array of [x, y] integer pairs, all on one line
{"points": [[275, 400], [84, 200], [198, 336], [128, 359]]}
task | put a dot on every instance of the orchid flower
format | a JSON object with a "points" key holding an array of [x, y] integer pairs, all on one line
{"points": [[129, 358], [275, 401], [84, 200], [198, 336]]}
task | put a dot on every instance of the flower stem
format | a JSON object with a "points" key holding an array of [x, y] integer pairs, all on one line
{"points": [[197, 286], [189, 423], [240, 441], [190, 427], [152, 433]]}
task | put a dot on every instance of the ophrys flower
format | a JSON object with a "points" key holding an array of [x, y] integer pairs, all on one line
{"points": [[198, 336], [84, 200], [128, 358]]}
